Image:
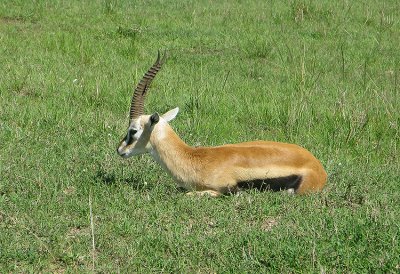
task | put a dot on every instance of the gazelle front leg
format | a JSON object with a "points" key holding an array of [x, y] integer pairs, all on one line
{"points": [[211, 193], [291, 191]]}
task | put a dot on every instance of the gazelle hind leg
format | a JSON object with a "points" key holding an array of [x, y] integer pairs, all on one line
{"points": [[311, 182], [211, 193]]}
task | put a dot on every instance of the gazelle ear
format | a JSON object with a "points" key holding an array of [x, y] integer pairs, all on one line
{"points": [[171, 114], [154, 119]]}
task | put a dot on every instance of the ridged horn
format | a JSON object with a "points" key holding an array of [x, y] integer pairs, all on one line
{"points": [[137, 103]]}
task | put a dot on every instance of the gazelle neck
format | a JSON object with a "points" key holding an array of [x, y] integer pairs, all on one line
{"points": [[171, 152]]}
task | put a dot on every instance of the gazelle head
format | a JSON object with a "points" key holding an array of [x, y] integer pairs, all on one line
{"points": [[137, 139]]}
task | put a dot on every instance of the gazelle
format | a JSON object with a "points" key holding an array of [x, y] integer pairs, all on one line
{"points": [[221, 169]]}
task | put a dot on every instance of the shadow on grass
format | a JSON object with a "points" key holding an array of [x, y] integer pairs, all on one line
{"points": [[111, 179]]}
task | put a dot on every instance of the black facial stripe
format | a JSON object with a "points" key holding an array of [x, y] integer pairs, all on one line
{"points": [[129, 136]]}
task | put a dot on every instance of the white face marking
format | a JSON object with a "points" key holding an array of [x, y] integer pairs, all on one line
{"points": [[131, 144]]}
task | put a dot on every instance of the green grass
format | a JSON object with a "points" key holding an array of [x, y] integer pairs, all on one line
{"points": [[322, 74]]}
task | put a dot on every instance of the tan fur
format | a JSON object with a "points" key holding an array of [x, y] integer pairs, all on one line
{"points": [[219, 169]]}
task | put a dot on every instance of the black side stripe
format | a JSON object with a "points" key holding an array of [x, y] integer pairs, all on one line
{"points": [[274, 184]]}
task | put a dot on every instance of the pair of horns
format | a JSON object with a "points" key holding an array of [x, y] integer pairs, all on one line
{"points": [[139, 95]]}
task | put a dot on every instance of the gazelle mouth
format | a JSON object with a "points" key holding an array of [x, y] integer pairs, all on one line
{"points": [[122, 154]]}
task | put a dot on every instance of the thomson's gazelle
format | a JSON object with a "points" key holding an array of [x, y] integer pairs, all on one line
{"points": [[222, 169]]}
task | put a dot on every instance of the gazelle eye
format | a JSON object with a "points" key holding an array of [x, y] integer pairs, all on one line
{"points": [[129, 136]]}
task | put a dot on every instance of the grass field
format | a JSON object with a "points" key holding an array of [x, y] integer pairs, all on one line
{"points": [[322, 74]]}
